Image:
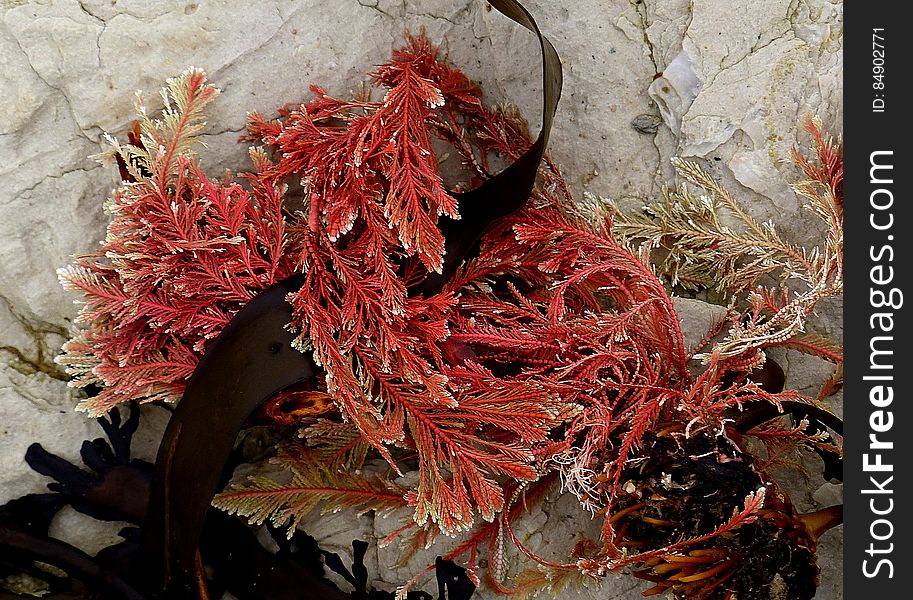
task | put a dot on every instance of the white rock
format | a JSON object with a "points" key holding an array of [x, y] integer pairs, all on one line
{"points": [[675, 90]]}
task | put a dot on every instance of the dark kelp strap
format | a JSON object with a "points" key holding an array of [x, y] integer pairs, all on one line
{"points": [[508, 191], [74, 562], [252, 360], [755, 413], [248, 363]]}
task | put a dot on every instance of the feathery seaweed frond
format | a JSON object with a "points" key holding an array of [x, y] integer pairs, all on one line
{"points": [[313, 485], [373, 195], [182, 254], [734, 259]]}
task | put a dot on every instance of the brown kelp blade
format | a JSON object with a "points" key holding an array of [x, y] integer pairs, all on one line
{"points": [[753, 414], [248, 363]]}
